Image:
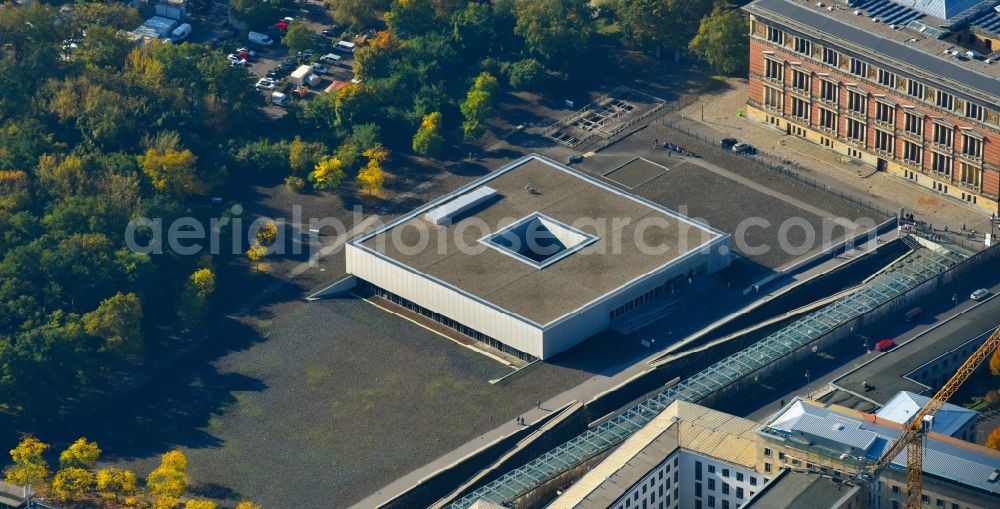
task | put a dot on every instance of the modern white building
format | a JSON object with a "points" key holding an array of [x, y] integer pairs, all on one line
{"points": [[536, 257], [688, 457]]}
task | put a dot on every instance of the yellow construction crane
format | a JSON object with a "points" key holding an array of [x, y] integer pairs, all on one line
{"points": [[914, 433]]}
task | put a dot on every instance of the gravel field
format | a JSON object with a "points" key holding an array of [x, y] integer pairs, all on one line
{"points": [[339, 387], [724, 203]]}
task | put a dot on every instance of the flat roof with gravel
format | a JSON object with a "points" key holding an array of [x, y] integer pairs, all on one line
{"points": [[595, 233]]}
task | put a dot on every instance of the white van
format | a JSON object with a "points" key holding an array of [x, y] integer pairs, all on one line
{"points": [[330, 58], [279, 98], [345, 46], [259, 38], [180, 33]]}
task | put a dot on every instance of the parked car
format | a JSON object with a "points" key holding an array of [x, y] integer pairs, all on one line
{"points": [[279, 98], [331, 59], [727, 143], [235, 59], [885, 345], [979, 294], [319, 68], [744, 148], [282, 25], [332, 32], [250, 54], [181, 32], [345, 46], [265, 84], [913, 314], [259, 38]]}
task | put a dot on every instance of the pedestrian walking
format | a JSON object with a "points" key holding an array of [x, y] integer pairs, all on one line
{"points": [[538, 404]]}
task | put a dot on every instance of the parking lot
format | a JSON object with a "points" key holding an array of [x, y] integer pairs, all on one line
{"points": [[211, 26]]}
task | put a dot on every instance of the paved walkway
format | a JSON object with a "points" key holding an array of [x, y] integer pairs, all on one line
{"points": [[715, 115], [718, 170], [598, 384]]}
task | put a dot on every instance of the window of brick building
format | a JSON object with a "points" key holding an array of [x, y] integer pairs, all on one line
{"points": [[915, 89], [972, 146], [803, 46], [913, 123], [857, 102], [886, 78], [776, 36], [941, 163], [831, 57], [859, 67], [912, 152], [944, 135]]}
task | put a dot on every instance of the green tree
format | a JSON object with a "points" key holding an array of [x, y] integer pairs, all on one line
{"points": [[302, 156], [557, 31], [428, 140], [257, 14], [118, 320], [723, 41], [298, 37], [478, 105], [526, 74], [410, 18], [356, 104], [29, 467], [357, 13], [105, 47], [194, 302], [71, 484], [80, 454], [658, 24]]}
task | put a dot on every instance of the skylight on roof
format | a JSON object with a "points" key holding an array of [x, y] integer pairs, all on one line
{"points": [[538, 240]]}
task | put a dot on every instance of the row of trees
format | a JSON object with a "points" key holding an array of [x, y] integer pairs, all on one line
{"points": [[91, 138], [79, 482]]}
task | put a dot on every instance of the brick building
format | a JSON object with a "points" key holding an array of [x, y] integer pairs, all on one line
{"points": [[910, 90]]}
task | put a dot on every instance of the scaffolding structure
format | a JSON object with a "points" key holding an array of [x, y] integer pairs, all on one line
{"points": [[919, 266]]}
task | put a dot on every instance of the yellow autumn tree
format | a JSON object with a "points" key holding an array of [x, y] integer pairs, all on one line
{"points": [[993, 441], [995, 362], [328, 174], [72, 483], [372, 176], [194, 299], [256, 253], [172, 171], [29, 467], [114, 483], [80, 454], [168, 481], [428, 140], [267, 233], [246, 504]]}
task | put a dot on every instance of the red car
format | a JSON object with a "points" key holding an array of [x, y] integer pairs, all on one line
{"points": [[282, 25], [885, 345]]}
